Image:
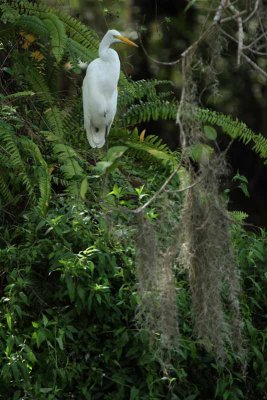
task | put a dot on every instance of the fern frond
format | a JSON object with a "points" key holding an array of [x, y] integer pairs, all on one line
{"points": [[138, 90], [17, 95], [260, 145], [77, 31], [8, 13], [152, 148], [78, 51], [144, 112], [55, 121], [9, 142], [42, 175], [235, 129], [73, 119], [45, 191], [33, 24], [238, 216], [4, 189], [37, 83], [57, 34], [70, 167], [162, 109]]}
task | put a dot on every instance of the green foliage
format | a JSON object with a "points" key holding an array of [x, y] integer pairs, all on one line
{"points": [[68, 286], [160, 109], [151, 149], [70, 162], [57, 34], [235, 129], [67, 316], [41, 24], [242, 183], [143, 89], [58, 24], [13, 155], [151, 110], [17, 152]]}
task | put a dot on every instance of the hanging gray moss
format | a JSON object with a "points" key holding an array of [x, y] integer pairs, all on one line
{"points": [[157, 312]]}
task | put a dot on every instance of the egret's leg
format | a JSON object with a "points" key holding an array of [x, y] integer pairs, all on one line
{"points": [[106, 138]]}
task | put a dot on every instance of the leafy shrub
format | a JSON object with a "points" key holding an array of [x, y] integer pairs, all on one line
{"points": [[68, 316], [68, 289]]}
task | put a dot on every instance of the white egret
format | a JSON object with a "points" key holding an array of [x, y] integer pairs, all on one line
{"points": [[100, 90]]}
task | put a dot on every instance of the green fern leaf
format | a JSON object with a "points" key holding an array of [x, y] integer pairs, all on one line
{"points": [[9, 142], [74, 28], [238, 216], [57, 34], [235, 129], [17, 95], [78, 32], [131, 91], [5, 192], [37, 82], [42, 174], [78, 51], [69, 164], [151, 149], [144, 112], [33, 24], [54, 121]]}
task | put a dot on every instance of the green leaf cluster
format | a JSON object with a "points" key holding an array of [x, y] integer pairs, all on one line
{"points": [[67, 316], [68, 286]]}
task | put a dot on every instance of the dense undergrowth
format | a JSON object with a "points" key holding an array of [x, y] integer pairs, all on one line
{"points": [[68, 286], [68, 303]]}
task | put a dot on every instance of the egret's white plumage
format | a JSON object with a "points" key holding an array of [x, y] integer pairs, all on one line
{"points": [[100, 90]]}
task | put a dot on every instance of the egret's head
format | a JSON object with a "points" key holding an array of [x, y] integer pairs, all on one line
{"points": [[116, 37]]}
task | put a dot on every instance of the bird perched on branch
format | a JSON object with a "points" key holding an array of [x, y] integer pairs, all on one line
{"points": [[100, 90]]}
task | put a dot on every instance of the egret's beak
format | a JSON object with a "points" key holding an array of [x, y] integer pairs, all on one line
{"points": [[125, 40]]}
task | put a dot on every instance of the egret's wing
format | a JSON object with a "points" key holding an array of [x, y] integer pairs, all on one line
{"points": [[95, 132], [99, 102]]}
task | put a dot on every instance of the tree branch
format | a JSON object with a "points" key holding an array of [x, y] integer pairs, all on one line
{"points": [[155, 195]]}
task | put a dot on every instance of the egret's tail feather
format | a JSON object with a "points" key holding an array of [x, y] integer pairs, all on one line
{"points": [[82, 65], [96, 139]]}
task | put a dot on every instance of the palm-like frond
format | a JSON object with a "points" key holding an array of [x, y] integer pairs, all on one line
{"points": [[10, 146]]}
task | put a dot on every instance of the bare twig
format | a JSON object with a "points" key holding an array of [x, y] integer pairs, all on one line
{"points": [[255, 41], [187, 187], [155, 195], [254, 65], [220, 9], [248, 59], [169, 63], [253, 12], [262, 28], [178, 115], [232, 17], [240, 32], [183, 54]]}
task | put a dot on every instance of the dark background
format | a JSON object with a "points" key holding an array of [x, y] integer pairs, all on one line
{"points": [[167, 30]]}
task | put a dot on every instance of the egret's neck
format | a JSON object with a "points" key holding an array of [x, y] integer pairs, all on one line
{"points": [[104, 50]]}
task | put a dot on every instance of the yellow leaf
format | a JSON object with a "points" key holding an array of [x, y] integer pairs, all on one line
{"points": [[68, 66], [37, 55], [25, 45], [142, 135], [30, 38]]}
